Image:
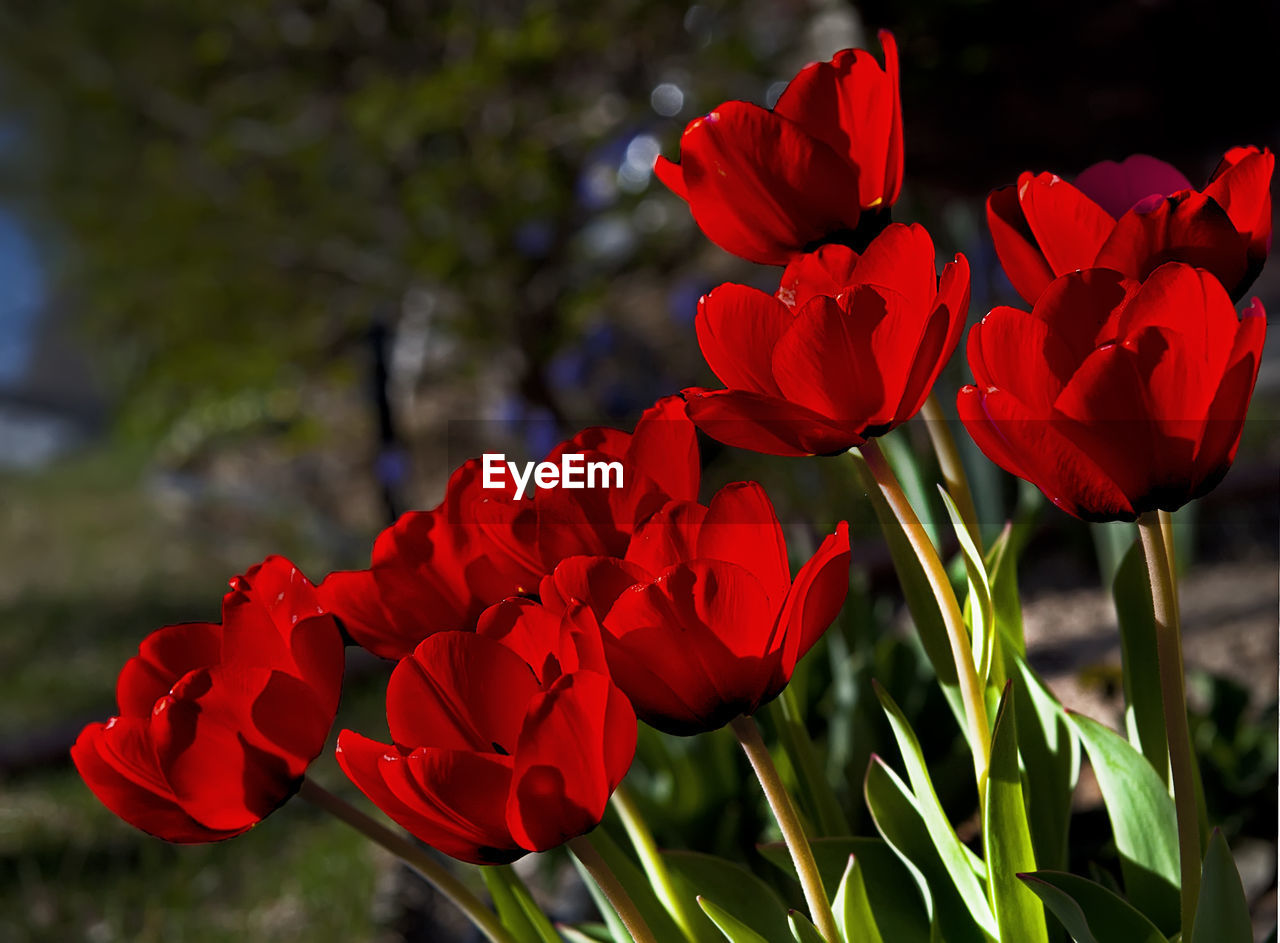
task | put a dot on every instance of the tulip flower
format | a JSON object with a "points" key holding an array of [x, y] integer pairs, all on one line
{"points": [[837, 368], [437, 570], [1134, 216], [1114, 396], [218, 722], [767, 185], [702, 620], [506, 740]]}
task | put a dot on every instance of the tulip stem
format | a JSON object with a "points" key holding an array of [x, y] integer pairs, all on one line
{"points": [[957, 482], [651, 859], [953, 618], [415, 856], [1164, 598], [784, 810], [608, 882]]}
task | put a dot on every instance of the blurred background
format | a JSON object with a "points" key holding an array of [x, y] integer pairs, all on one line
{"points": [[269, 269]]}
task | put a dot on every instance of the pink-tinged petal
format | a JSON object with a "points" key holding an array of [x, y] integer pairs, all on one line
{"points": [[707, 624], [117, 762], [1027, 444], [1118, 187], [444, 694], [1069, 227], [901, 258], [668, 537], [163, 657], [852, 104], [941, 336], [1018, 352], [1191, 228], [1021, 258], [768, 424], [824, 271], [594, 581], [737, 329], [762, 188], [431, 792], [577, 738], [815, 599], [1241, 185], [741, 527], [1225, 419]]}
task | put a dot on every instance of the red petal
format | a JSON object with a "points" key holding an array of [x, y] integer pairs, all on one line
{"points": [[1021, 258], [738, 328], [742, 528], [353, 596], [444, 694], [1083, 311], [901, 258], [1118, 187], [1019, 353], [163, 657], [1225, 421], [767, 424], [761, 187], [1069, 227], [852, 104], [666, 538], [665, 448], [552, 642], [816, 598], [117, 762], [825, 271], [1242, 186], [577, 743], [671, 174], [941, 335]]}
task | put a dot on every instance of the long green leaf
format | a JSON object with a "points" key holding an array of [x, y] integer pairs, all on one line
{"points": [[734, 930], [978, 606], [637, 885], [1002, 568], [731, 886], [1051, 757], [897, 817], [1007, 836], [852, 907], [585, 933], [1222, 914], [1143, 710], [616, 927], [959, 861], [1142, 820], [900, 911], [515, 906], [1090, 912], [803, 930]]}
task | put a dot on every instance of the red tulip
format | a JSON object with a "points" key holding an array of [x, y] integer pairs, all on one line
{"points": [[838, 368], [702, 621], [765, 185], [218, 722], [1115, 397], [506, 740], [437, 570], [1133, 217]]}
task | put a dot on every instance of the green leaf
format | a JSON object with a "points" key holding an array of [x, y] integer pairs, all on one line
{"points": [[1050, 755], [1222, 914], [1002, 568], [963, 866], [734, 930], [900, 912], [816, 793], [1006, 835], [1143, 701], [585, 933], [637, 885], [515, 906], [1142, 820], [1090, 912], [803, 930], [920, 600], [616, 927], [852, 907], [730, 885], [978, 605], [906, 467], [897, 817]]}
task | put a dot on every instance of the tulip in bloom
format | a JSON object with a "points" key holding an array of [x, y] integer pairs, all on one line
{"points": [[1113, 396], [1134, 216], [843, 364], [702, 621], [506, 740], [437, 570], [218, 722], [767, 185]]}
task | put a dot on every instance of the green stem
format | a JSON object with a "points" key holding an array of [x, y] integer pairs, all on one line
{"points": [[953, 618], [1164, 600], [608, 882], [411, 854], [651, 860], [944, 446], [748, 734]]}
